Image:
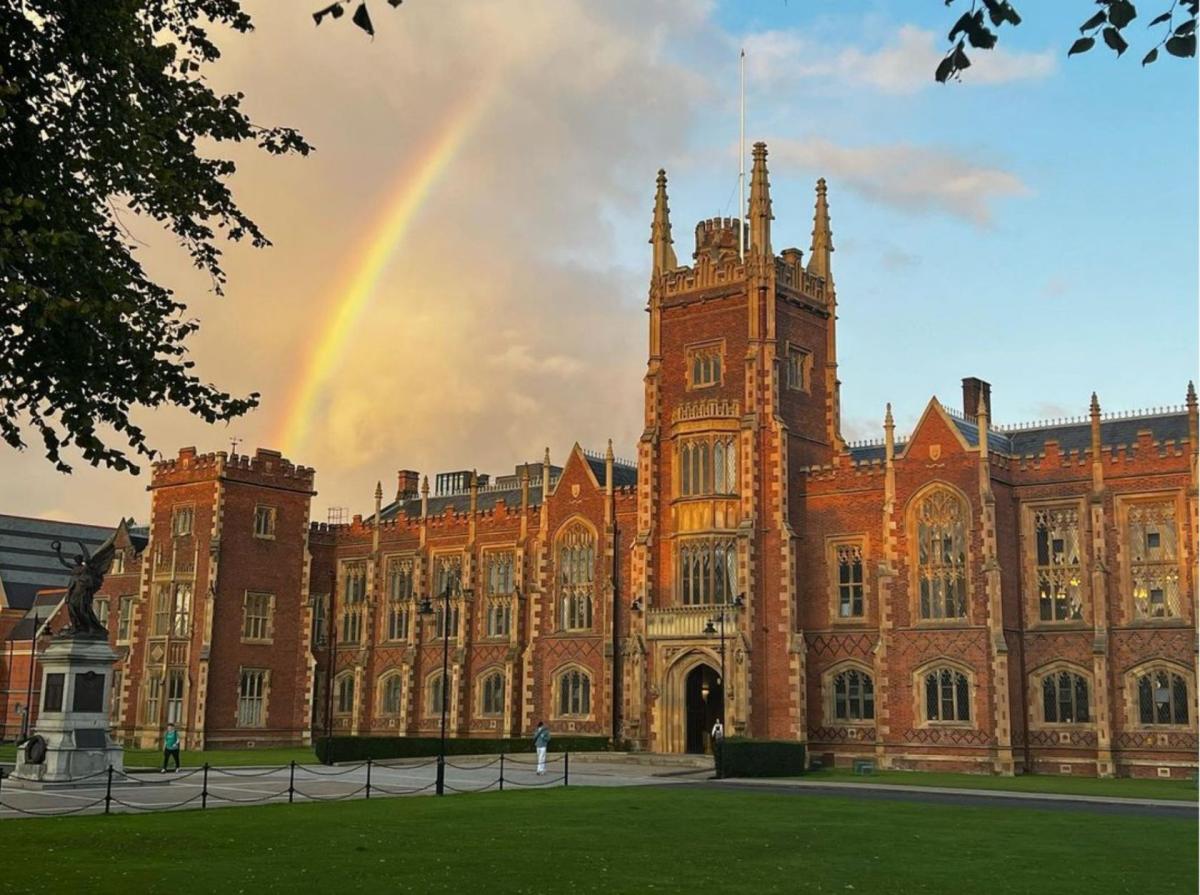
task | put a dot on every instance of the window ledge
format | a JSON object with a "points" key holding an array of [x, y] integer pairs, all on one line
{"points": [[258, 641]]}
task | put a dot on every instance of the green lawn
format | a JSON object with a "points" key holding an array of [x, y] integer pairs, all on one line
{"points": [[606, 840], [152, 758], [1128, 788]]}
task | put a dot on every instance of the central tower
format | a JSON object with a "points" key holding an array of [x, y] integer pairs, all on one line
{"points": [[741, 385]]}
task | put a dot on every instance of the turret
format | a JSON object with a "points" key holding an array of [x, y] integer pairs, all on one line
{"points": [[760, 204]]}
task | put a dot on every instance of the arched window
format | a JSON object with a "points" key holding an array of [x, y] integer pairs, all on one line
{"points": [[435, 694], [391, 690], [941, 534], [1162, 698], [576, 570], [492, 699], [1065, 698], [707, 571], [574, 693], [853, 696], [345, 694], [707, 465], [947, 695]]}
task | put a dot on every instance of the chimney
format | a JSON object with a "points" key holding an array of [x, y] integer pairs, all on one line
{"points": [[408, 485], [973, 390]]}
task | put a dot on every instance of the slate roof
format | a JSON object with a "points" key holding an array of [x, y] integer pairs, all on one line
{"points": [[27, 564], [39, 613], [1074, 436]]}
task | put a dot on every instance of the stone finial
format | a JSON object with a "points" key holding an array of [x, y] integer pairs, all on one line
{"points": [[608, 453], [1191, 395], [1094, 407], [760, 204], [660, 230], [378, 491], [546, 457], [888, 422], [820, 263], [425, 485]]}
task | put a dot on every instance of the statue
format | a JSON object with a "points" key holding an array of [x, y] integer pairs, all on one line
{"points": [[87, 574]]}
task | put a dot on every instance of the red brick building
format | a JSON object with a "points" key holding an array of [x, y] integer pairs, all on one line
{"points": [[963, 597]]}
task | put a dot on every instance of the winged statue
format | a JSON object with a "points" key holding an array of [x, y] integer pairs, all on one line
{"points": [[87, 574]]}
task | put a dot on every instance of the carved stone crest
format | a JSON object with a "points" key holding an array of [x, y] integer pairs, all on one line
{"points": [[574, 490], [935, 451]]}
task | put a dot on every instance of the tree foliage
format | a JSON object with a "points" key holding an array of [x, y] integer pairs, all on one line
{"points": [[979, 27], [104, 105]]}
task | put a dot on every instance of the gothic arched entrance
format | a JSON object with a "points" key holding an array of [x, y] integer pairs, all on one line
{"points": [[703, 697]]}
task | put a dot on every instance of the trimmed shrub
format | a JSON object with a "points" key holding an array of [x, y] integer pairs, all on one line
{"points": [[760, 758], [346, 748]]}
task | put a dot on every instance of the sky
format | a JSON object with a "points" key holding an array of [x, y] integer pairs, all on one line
{"points": [[458, 274]]}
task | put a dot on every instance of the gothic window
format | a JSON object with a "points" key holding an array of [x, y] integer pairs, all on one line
{"points": [[175, 679], [947, 695], [941, 533], [391, 689], [499, 618], [354, 589], [400, 591], [707, 571], [447, 574], [576, 572], [256, 616], [499, 572], [492, 694], [181, 609], [153, 696], [1162, 698], [853, 696], [181, 521], [1065, 698], [124, 618], [344, 694], [708, 466], [1153, 559], [796, 367], [320, 618], [252, 698], [435, 694], [264, 522], [704, 366], [574, 693], [1057, 557], [847, 561]]}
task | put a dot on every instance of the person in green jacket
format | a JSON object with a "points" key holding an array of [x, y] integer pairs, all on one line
{"points": [[541, 742], [170, 747]]}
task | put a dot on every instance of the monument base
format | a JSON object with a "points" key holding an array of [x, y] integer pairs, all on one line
{"points": [[73, 721]]}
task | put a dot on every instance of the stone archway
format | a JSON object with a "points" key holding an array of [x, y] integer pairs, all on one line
{"points": [[672, 715], [703, 696]]}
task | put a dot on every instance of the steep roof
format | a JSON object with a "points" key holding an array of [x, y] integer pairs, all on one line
{"points": [[27, 562]]}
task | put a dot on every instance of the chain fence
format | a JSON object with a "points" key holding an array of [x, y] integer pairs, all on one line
{"points": [[111, 791]]}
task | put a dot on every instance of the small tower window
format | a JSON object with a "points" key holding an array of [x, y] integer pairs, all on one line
{"points": [[704, 366]]}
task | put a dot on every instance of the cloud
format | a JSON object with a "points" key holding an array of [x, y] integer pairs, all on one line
{"points": [[910, 178], [903, 66]]}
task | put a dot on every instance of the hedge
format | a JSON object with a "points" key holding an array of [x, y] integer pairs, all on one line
{"points": [[347, 748], [760, 758]]}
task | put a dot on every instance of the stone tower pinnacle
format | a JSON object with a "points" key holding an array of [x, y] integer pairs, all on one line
{"points": [[660, 229], [819, 261], [760, 204]]}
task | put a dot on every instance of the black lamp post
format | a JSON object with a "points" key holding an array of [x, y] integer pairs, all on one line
{"points": [[426, 608], [710, 629]]}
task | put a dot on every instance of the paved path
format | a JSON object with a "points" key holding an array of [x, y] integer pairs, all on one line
{"points": [[990, 798], [239, 786]]}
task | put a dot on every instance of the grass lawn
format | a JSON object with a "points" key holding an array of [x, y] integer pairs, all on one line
{"points": [[152, 758], [605, 840], [1128, 788]]}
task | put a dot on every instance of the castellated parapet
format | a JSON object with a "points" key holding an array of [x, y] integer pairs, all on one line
{"points": [[266, 467]]}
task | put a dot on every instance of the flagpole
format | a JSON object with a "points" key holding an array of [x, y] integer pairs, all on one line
{"points": [[742, 155]]}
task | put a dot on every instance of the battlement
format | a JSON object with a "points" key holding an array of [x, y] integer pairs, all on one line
{"points": [[266, 467], [718, 237]]}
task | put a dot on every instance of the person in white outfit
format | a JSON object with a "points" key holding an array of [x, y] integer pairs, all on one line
{"points": [[541, 741]]}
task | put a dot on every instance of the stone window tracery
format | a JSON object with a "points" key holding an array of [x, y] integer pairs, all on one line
{"points": [[344, 693], [846, 559], [435, 694], [1065, 698], [941, 534], [1152, 544], [704, 366], [1057, 562], [947, 695], [400, 594], [1163, 699], [708, 465], [853, 695], [576, 574], [354, 590], [574, 693], [491, 701], [708, 571], [252, 697], [391, 691]]}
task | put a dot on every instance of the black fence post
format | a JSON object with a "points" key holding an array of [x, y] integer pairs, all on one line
{"points": [[108, 791], [440, 785], [292, 782], [566, 768], [502, 772], [204, 789], [368, 778]]}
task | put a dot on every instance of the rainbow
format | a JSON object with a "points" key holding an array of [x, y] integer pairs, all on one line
{"points": [[412, 188]]}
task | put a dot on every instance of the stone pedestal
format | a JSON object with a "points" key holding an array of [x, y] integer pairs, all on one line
{"points": [[77, 677]]}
